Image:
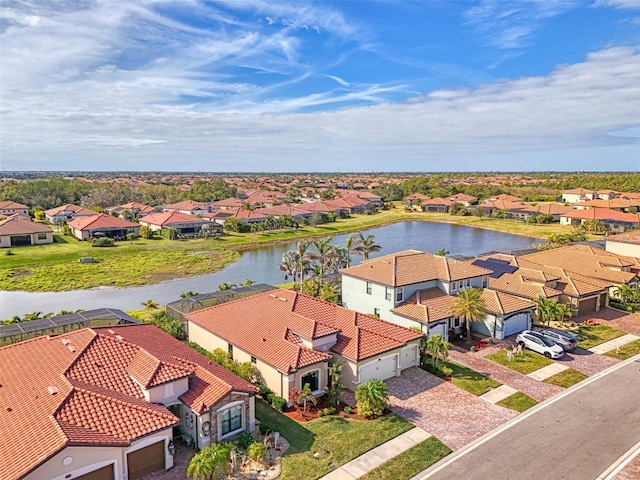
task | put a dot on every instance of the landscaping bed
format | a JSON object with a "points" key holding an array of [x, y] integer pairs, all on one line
{"points": [[591, 335], [566, 378], [465, 378], [410, 462], [322, 409], [315, 444], [525, 362], [518, 401], [626, 351]]}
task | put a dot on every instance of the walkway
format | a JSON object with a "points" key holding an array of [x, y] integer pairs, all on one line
{"points": [[613, 344], [535, 389], [546, 372], [358, 467]]}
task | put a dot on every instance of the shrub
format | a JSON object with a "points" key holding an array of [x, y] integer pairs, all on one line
{"points": [[372, 398], [329, 411], [348, 409], [256, 451], [320, 413], [244, 440], [446, 371], [278, 402], [102, 242], [473, 349], [9, 252], [264, 390]]}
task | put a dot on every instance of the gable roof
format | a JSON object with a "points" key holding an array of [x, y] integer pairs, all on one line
{"points": [[101, 220], [18, 224], [412, 266], [188, 205], [69, 207], [603, 214], [80, 390], [632, 237], [275, 323], [9, 205]]}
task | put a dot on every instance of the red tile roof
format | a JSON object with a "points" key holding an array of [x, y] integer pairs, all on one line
{"points": [[603, 214], [273, 323], [76, 389], [18, 224], [412, 266], [169, 218], [101, 220], [632, 237], [75, 209], [187, 205], [9, 205]]}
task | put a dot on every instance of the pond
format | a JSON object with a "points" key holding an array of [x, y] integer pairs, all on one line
{"points": [[261, 265]]}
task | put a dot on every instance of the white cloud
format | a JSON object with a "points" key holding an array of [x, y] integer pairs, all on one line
{"points": [[618, 3]]}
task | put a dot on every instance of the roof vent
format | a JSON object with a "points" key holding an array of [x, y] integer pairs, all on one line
{"points": [[119, 337], [283, 299], [9, 409], [72, 348], [111, 331], [264, 339], [65, 341], [52, 390], [273, 295]]}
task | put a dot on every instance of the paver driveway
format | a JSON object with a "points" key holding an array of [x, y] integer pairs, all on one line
{"points": [[587, 362], [453, 415], [627, 322]]}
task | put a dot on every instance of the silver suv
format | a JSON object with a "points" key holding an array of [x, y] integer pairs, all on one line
{"points": [[539, 344], [568, 341]]}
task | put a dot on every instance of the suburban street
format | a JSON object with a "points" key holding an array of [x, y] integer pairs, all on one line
{"points": [[578, 436]]}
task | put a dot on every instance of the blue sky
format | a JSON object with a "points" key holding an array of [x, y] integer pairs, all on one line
{"points": [[369, 85]]}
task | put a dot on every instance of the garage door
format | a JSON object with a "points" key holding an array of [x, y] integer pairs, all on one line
{"points": [[588, 305], [104, 473], [439, 329], [515, 324], [383, 368], [146, 460], [408, 357]]}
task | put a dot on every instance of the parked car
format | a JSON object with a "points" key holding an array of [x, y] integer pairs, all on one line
{"points": [[539, 344], [568, 341]]}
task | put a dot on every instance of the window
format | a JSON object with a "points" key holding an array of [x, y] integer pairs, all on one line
{"points": [[253, 360], [369, 288], [485, 280], [230, 349], [467, 282], [312, 378], [376, 312], [42, 236], [231, 419], [387, 293], [456, 322], [399, 294]]}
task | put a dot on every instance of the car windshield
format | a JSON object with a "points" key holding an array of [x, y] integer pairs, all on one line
{"points": [[547, 342]]}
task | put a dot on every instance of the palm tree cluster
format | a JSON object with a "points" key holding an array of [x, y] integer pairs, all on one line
{"points": [[626, 294], [551, 310]]}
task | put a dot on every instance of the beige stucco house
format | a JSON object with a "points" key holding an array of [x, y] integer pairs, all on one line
{"points": [[19, 230]]}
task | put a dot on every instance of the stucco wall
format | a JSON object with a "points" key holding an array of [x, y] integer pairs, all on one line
{"points": [[620, 248], [162, 393]]}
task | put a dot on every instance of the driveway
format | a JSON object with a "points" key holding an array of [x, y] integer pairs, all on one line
{"points": [[587, 362], [627, 322], [451, 414]]}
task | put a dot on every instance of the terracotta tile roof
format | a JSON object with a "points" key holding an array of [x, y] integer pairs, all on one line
{"points": [[417, 196], [507, 198], [438, 201], [9, 205], [187, 205], [578, 191], [290, 315], [501, 204], [322, 206], [526, 283], [284, 209], [75, 209], [632, 237], [18, 224], [463, 197], [502, 303], [231, 202], [132, 206], [169, 218], [545, 208], [603, 214], [75, 389], [101, 220], [412, 266], [614, 203]]}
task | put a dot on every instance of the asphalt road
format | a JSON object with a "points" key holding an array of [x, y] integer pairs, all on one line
{"points": [[577, 437]]}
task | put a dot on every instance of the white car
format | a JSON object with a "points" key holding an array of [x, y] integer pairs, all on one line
{"points": [[539, 344]]}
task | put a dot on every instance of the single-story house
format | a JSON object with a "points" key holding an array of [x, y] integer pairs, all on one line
{"points": [[131, 210], [18, 229], [186, 225], [437, 204], [67, 212], [105, 403], [415, 200], [102, 225], [576, 195], [615, 220], [189, 207], [9, 208], [297, 212], [627, 244], [464, 199], [292, 338], [556, 210], [246, 216]]}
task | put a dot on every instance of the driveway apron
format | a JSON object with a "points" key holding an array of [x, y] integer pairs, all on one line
{"points": [[451, 414]]}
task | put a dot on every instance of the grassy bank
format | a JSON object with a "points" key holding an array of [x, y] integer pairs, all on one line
{"points": [[55, 267]]}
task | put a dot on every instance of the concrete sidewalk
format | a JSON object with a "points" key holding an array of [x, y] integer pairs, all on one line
{"points": [[358, 467], [613, 344]]}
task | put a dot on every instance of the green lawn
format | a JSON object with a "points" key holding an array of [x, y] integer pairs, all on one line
{"points": [[591, 336], [468, 379], [626, 351], [410, 462], [566, 378], [525, 363], [518, 401], [331, 439]]}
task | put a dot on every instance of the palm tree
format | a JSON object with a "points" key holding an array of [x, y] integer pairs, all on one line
{"points": [[338, 258], [562, 311], [624, 292], [209, 461], [248, 282], [469, 306], [442, 252], [323, 251], [150, 305], [226, 286], [367, 246], [372, 398], [189, 294], [438, 348], [303, 248], [351, 245], [305, 396], [545, 309], [289, 264]]}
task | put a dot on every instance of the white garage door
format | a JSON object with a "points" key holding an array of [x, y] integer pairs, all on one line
{"points": [[408, 357], [382, 368], [439, 329], [515, 324]]}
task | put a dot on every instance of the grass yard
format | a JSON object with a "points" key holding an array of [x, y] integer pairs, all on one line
{"points": [[566, 378], [467, 379], [589, 337], [518, 401], [331, 439], [524, 363], [410, 462], [626, 351]]}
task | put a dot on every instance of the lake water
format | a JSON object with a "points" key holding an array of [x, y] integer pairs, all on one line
{"points": [[261, 265]]}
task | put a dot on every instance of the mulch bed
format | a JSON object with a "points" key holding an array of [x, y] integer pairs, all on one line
{"points": [[295, 412]]}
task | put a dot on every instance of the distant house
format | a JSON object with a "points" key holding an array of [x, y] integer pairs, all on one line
{"points": [[627, 244], [576, 195], [189, 207], [437, 204], [9, 208], [106, 402], [415, 200], [18, 229], [102, 225], [298, 212], [241, 214], [66, 213], [131, 210], [615, 220], [464, 199], [292, 337], [186, 225], [556, 210]]}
